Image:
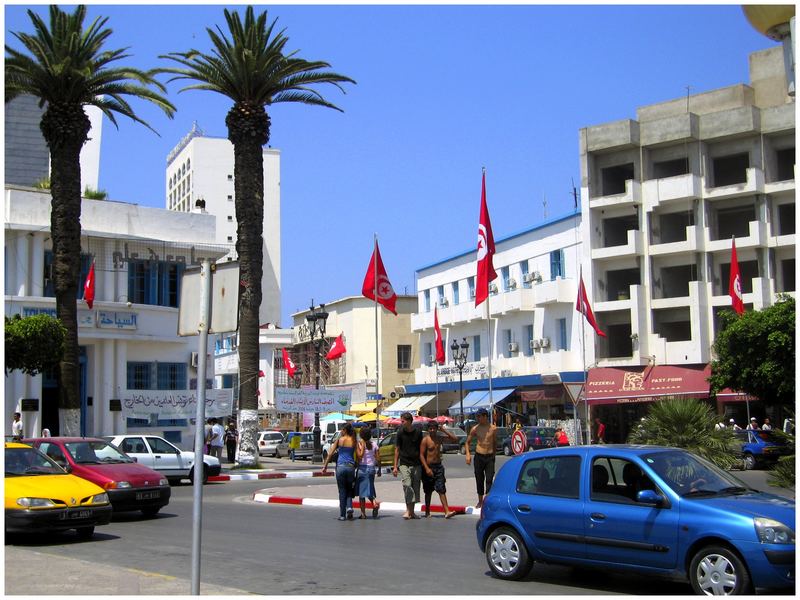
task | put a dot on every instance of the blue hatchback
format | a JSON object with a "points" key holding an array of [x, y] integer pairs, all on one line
{"points": [[648, 509]]}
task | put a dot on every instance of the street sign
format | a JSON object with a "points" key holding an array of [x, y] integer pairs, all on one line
{"points": [[575, 392], [519, 441]]}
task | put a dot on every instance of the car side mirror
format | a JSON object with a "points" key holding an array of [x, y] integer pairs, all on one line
{"points": [[649, 497], [67, 467], [134, 459]]}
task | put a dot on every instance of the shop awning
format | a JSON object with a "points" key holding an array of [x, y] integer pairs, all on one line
{"points": [[407, 403], [363, 407], [497, 396], [479, 398], [621, 385], [419, 402]]}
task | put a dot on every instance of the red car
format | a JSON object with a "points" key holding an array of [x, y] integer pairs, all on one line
{"points": [[130, 486]]}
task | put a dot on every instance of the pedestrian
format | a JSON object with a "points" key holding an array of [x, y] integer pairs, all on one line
{"points": [[733, 425], [486, 436], [720, 425], [216, 440], [518, 424], [430, 455], [16, 427], [368, 464], [207, 436], [45, 432], [561, 437], [600, 431], [753, 425], [346, 462], [407, 463], [766, 426], [295, 437], [231, 440]]}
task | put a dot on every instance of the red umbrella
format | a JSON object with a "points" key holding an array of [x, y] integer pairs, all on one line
{"points": [[443, 419], [393, 421], [421, 419]]}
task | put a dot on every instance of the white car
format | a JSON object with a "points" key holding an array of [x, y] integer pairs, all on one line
{"points": [[268, 442], [166, 458]]}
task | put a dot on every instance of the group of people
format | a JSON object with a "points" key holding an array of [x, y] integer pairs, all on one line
{"points": [[753, 425], [217, 437]]}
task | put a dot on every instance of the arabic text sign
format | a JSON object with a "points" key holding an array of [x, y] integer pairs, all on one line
{"points": [[174, 404], [323, 401]]}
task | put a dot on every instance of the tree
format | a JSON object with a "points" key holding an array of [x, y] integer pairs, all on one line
{"points": [[33, 344], [689, 424], [249, 66], [755, 353], [66, 68]]}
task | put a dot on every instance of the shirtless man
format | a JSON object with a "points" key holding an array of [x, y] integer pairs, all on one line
{"points": [[430, 455], [486, 436]]}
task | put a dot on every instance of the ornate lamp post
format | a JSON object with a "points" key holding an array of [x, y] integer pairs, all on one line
{"points": [[298, 381], [460, 359], [316, 330]]}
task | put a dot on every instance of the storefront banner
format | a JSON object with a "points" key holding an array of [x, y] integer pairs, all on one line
{"points": [[616, 385], [323, 401], [547, 393], [174, 404]]}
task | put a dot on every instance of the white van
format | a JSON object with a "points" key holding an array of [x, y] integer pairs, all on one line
{"points": [[328, 428]]}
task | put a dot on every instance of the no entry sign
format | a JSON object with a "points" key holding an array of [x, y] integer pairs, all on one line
{"points": [[519, 442]]}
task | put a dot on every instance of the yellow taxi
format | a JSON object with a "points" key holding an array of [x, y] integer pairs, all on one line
{"points": [[41, 496]]}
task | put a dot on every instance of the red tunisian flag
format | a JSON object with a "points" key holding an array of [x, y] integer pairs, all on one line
{"points": [[337, 348], [735, 283], [486, 272], [376, 280], [582, 306], [437, 337], [287, 362], [88, 287]]}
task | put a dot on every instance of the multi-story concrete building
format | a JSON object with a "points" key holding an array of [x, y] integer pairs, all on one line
{"points": [[200, 170], [662, 197], [535, 331]]}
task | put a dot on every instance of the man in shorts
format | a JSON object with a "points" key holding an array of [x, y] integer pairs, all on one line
{"points": [[430, 455], [407, 463], [486, 436]]}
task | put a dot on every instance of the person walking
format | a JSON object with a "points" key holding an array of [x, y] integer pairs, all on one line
{"points": [[407, 463], [217, 439], [367, 466], [766, 426], [294, 443], [600, 431], [561, 437], [207, 436], [231, 440], [734, 426], [486, 436], [16, 427], [753, 425], [430, 455], [347, 459]]}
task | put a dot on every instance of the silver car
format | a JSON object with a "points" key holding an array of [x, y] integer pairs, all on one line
{"points": [[306, 449], [268, 442]]}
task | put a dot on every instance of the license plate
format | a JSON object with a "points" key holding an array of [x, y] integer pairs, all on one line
{"points": [[80, 514], [148, 495]]}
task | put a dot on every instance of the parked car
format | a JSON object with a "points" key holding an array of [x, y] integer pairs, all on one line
{"points": [[306, 449], [268, 442], [643, 509], [387, 443], [166, 458], [130, 485], [538, 438], [41, 496], [759, 448], [448, 446]]}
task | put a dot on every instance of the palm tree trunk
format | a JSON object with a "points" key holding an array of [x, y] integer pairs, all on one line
{"points": [[248, 130], [65, 128]]}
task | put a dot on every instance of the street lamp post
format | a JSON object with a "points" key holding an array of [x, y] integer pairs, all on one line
{"points": [[460, 359], [298, 381], [316, 328]]}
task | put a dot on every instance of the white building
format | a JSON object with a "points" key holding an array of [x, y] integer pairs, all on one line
{"points": [[200, 168], [662, 197], [535, 329], [130, 350]]}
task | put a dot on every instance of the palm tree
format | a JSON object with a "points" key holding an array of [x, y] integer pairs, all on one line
{"points": [[689, 424], [66, 68], [251, 68]]}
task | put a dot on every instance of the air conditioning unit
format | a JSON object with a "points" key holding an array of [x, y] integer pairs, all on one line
{"points": [[492, 288], [443, 302], [513, 347], [512, 284], [527, 278], [505, 373], [195, 358], [400, 389], [472, 294], [537, 277], [545, 342], [535, 344]]}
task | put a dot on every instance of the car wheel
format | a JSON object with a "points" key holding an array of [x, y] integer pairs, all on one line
{"points": [[462, 450], [506, 449], [85, 533], [205, 474], [277, 453], [749, 462], [715, 570], [174, 480], [151, 511], [506, 554]]}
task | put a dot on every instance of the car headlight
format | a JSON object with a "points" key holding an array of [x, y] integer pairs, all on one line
{"points": [[100, 499], [163, 482], [117, 485], [35, 502], [773, 532]]}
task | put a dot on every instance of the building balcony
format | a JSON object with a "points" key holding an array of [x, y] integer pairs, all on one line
{"points": [[633, 247], [779, 241], [463, 312], [631, 197], [776, 187], [556, 291], [693, 241], [753, 185], [671, 189], [763, 295], [513, 300], [756, 238], [692, 351]]}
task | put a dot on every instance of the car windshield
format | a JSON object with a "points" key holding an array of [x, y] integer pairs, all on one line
{"points": [[95, 452], [456, 431], [274, 437], [28, 461], [691, 476]]}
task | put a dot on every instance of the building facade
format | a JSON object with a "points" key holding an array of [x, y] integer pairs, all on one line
{"points": [[663, 196]]}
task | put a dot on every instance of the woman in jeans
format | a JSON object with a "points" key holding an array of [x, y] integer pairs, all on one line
{"points": [[347, 459], [367, 465]]}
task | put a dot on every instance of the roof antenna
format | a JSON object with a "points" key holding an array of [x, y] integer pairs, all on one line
{"points": [[544, 205], [575, 195]]}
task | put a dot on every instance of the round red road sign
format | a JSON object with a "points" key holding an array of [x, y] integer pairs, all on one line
{"points": [[519, 442]]}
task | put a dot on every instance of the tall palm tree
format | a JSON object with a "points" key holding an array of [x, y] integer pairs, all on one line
{"points": [[66, 68], [250, 67]]}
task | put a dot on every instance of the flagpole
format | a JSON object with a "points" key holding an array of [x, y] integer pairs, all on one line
{"points": [[585, 376], [377, 368], [489, 336]]}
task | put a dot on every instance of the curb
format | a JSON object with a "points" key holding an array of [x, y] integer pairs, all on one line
{"points": [[334, 503], [278, 475]]}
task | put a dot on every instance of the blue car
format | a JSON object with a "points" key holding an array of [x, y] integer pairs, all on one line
{"points": [[759, 448], [647, 509]]}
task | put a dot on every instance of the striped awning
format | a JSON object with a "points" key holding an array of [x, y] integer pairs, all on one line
{"points": [[407, 404], [479, 398]]}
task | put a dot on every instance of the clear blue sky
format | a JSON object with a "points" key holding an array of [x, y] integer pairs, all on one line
{"points": [[442, 91]]}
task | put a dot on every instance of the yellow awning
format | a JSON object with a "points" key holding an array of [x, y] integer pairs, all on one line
{"points": [[370, 417], [363, 407]]}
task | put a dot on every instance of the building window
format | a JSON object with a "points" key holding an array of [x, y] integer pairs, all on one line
{"points": [[471, 286], [440, 294], [139, 376], [561, 327], [730, 170], [528, 339], [230, 238], [230, 219], [429, 357], [230, 177], [504, 275], [171, 376], [455, 292], [523, 269], [556, 263], [476, 348], [403, 357], [154, 283], [230, 197], [426, 295], [507, 343], [49, 284]]}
